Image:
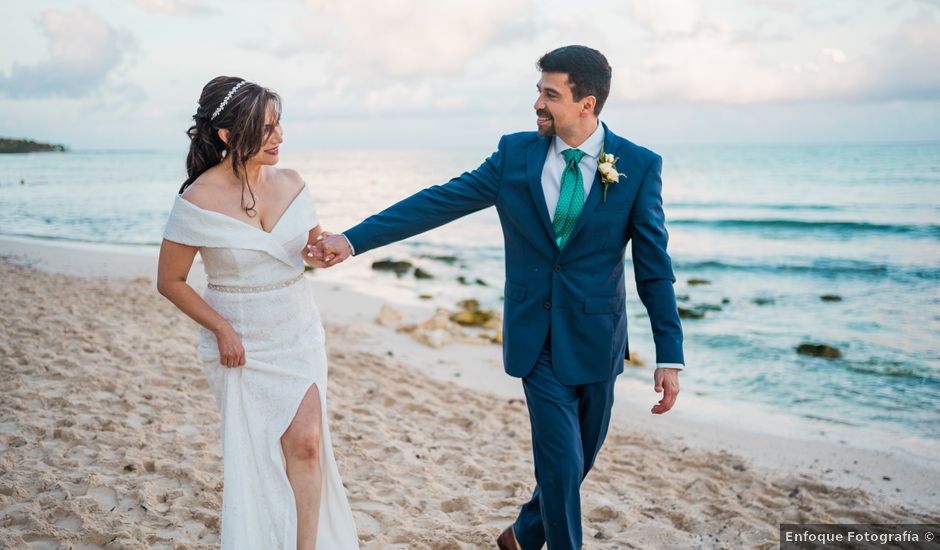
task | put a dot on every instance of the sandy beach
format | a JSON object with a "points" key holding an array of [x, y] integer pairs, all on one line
{"points": [[109, 435]]}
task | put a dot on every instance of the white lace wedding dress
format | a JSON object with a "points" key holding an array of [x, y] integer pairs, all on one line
{"points": [[256, 282]]}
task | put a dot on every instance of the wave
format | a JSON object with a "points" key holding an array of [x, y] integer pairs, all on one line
{"points": [[919, 230], [752, 206], [915, 375], [823, 268], [80, 240]]}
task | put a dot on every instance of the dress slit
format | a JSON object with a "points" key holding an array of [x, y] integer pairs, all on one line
{"points": [[295, 407]]}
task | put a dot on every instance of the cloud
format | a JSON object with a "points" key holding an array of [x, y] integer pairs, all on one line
{"points": [[906, 64], [401, 98], [410, 57], [402, 57], [175, 7], [83, 50], [692, 56], [408, 38], [834, 54], [669, 17], [782, 6], [344, 99]]}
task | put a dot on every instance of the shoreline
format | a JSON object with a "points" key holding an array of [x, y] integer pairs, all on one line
{"points": [[697, 421]]}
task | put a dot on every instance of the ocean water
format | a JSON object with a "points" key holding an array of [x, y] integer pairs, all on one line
{"points": [[771, 228]]}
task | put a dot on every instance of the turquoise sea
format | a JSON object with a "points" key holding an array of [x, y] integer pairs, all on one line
{"points": [[771, 228]]}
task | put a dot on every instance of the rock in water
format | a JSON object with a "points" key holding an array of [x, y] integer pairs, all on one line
{"points": [[686, 313], [446, 259], [472, 316], [696, 282], [830, 298], [435, 338], [440, 331], [389, 316], [818, 350], [399, 267], [422, 274], [468, 318], [469, 305], [634, 360]]}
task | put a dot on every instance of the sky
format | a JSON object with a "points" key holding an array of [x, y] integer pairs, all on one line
{"points": [[126, 74]]}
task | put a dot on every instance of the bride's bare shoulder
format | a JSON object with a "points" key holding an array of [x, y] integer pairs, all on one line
{"points": [[290, 178], [204, 191]]}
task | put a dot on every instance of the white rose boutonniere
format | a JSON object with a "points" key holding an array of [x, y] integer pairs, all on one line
{"points": [[607, 166]]}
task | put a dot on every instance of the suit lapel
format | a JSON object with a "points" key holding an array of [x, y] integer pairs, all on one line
{"points": [[535, 160], [597, 188]]}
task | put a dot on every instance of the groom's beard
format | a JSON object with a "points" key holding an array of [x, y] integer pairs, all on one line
{"points": [[547, 130]]}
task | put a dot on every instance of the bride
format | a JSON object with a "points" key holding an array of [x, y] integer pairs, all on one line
{"points": [[261, 342]]}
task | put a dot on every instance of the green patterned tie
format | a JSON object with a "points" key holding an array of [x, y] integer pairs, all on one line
{"points": [[571, 199]]}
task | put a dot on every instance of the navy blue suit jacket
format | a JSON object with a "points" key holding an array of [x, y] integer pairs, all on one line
{"points": [[579, 291]]}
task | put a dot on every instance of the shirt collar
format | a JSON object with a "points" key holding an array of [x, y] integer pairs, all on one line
{"points": [[591, 146]]}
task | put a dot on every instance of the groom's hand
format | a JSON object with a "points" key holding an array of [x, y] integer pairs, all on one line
{"points": [[667, 383], [330, 250], [312, 256]]}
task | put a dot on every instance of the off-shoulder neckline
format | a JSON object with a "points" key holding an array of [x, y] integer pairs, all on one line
{"points": [[241, 222]]}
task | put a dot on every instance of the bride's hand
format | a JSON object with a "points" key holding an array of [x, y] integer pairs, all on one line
{"points": [[310, 257], [313, 255], [231, 352]]}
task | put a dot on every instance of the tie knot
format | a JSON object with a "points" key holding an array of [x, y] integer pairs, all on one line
{"points": [[572, 155]]}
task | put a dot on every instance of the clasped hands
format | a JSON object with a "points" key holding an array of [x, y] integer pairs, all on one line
{"points": [[328, 250]]}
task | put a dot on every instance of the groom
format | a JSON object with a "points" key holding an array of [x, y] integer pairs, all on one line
{"points": [[566, 217]]}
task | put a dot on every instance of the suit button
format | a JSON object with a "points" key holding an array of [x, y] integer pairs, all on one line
{"points": [[557, 269], [547, 305]]}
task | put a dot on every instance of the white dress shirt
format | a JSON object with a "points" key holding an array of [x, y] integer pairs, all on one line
{"points": [[551, 180], [555, 165]]}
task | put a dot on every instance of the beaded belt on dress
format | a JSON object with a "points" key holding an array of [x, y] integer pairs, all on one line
{"points": [[260, 288]]}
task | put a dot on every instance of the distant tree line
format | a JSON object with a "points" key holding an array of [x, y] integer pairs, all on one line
{"points": [[11, 145]]}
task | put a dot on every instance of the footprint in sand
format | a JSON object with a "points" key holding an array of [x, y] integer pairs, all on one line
{"points": [[459, 504], [604, 514], [472, 471], [367, 526], [106, 497], [65, 520], [40, 542]]}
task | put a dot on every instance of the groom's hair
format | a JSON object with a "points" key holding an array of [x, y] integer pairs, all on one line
{"points": [[587, 68]]}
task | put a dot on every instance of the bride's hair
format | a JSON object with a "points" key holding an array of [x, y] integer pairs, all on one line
{"points": [[240, 109]]}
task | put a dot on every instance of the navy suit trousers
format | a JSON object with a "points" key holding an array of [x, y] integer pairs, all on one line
{"points": [[569, 424]]}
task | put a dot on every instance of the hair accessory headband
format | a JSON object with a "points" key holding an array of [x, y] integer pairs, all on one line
{"points": [[227, 98]]}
